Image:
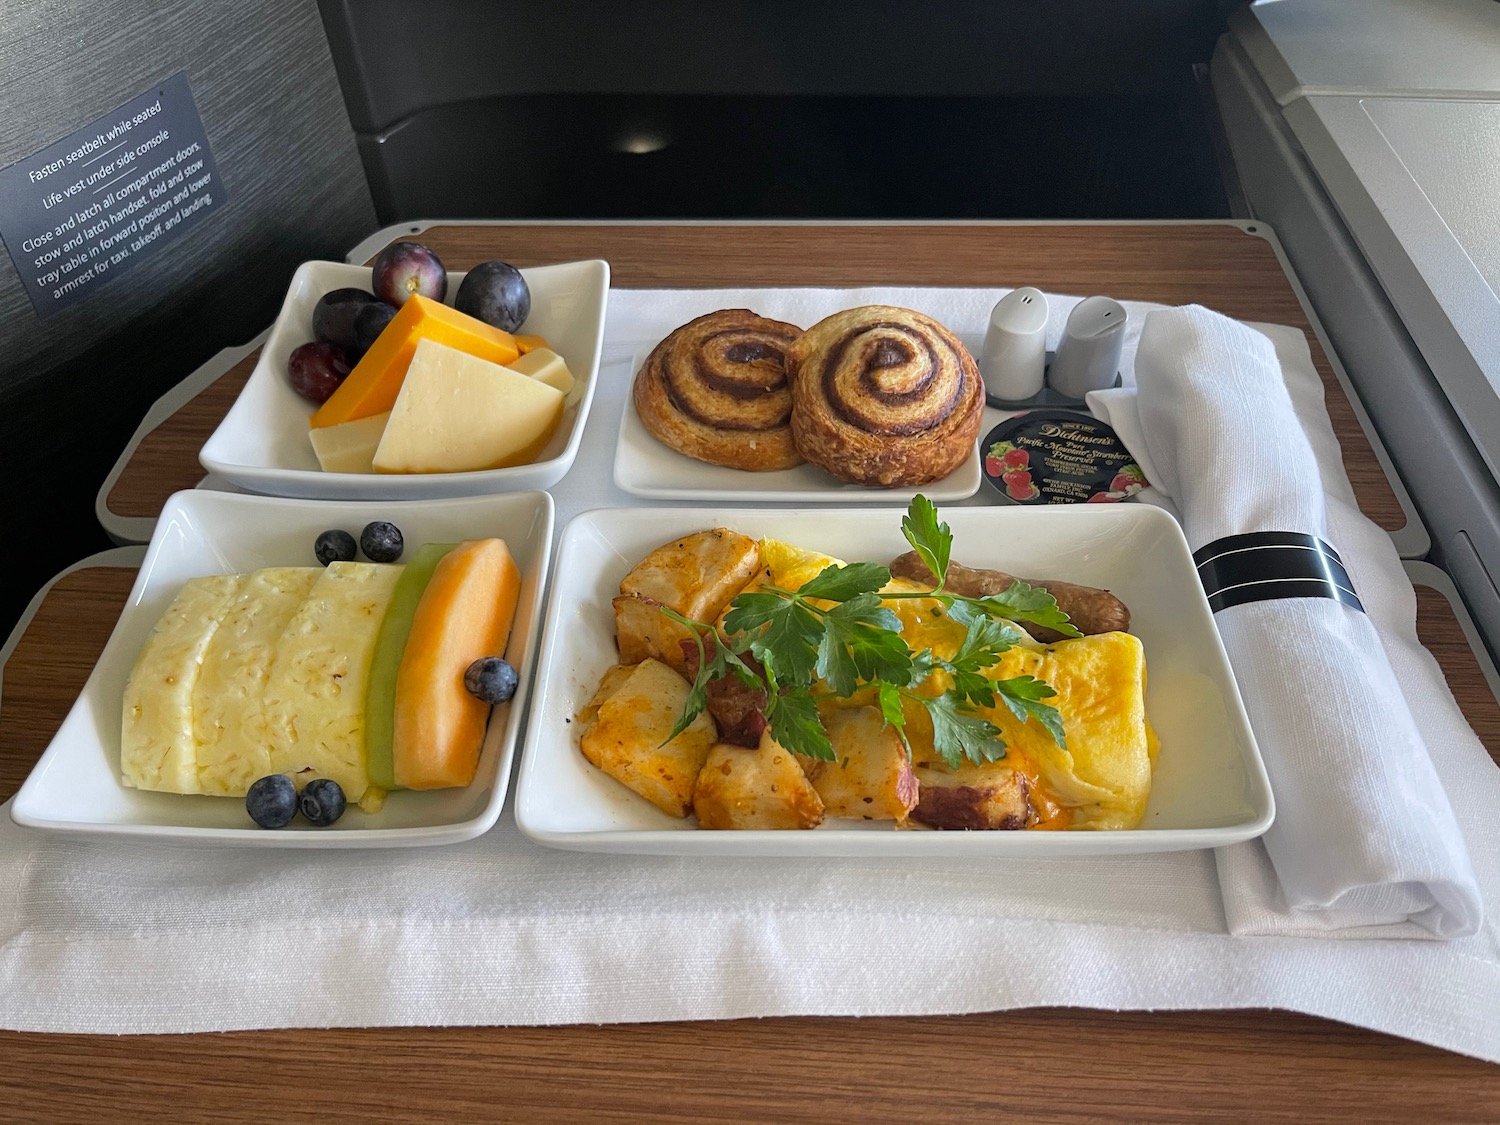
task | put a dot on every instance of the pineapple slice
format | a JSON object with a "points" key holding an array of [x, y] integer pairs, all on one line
{"points": [[228, 721], [157, 747], [314, 699]]}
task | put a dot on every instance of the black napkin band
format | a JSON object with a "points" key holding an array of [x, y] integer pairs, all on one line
{"points": [[1267, 565]]}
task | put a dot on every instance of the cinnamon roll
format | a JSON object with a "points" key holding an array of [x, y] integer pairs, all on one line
{"points": [[884, 396], [716, 390]]}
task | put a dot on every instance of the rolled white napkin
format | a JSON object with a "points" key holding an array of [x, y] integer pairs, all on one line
{"points": [[1365, 843]]}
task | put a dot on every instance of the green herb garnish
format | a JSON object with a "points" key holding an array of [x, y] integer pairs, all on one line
{"points": [[835, 628]]}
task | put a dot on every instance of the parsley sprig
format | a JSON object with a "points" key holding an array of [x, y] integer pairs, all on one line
{"points": [[838, 630]]}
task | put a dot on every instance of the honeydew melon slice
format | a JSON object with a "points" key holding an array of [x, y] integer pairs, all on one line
{"points": [[380, 702]]}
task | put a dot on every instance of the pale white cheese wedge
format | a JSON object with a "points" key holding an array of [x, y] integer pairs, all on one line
{"points": [[545, 366], [314, 698], [157, 746], [457, 413], [228, 721], [348, 447]]}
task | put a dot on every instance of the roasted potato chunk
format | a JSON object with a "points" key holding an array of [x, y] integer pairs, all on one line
{"points": [[644, 632], [986, 797], [872, 777], [696, 576], [609, 683], [760, 788], [626, 738]]}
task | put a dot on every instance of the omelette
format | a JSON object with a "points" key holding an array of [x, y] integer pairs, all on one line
{"points": [[1101, 780]]}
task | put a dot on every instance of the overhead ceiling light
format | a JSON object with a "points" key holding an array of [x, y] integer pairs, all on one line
{"points": [[641, 141]]}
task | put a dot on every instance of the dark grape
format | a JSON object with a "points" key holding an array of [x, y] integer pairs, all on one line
{"points": [[333, 318], [496, 293], [369, 322], [316, 370], [405, 268]]}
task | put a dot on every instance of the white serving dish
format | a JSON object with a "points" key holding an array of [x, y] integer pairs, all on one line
{"points": [[262, 444], [645, 467], [76, 785], [1210, 787]]}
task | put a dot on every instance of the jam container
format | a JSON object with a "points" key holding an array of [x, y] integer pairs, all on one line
{"points": [[1059, 457]]}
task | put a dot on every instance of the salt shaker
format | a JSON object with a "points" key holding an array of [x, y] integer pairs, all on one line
{"points": [[1088, 358], [1014, 357]]}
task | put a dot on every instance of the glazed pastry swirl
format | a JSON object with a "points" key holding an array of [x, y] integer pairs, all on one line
{"points": [[884, 396], [716, 389]]}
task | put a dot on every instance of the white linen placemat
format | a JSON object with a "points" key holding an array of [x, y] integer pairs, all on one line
{"points": [[111, 937]]}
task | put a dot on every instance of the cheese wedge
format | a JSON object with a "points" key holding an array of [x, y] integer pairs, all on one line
{"points": [[349, 447], [457, 413], [157, 746], [228, 721], [372, 387], [314, 698], [545, 366]]}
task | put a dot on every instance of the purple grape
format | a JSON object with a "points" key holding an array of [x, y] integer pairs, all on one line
{"points": [[496, 293], [316, 370], [370, 322], [333, 318], [405, 268]]}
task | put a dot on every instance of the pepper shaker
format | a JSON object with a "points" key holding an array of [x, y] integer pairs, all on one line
{"points": [[1014, 359], [1088, 357]]}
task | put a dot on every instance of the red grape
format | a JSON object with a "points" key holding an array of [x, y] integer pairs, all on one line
{"points": [[405, 268], [316, 370]]}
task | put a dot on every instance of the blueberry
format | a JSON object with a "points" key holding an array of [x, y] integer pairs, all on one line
{"points": [[322, 802], [272, 801], [335, 546], [491, 679], [381, 542]]}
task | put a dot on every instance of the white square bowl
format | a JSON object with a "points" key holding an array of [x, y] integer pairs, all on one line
{"points": [[76, 785], [1209, 787], [262, 443]]}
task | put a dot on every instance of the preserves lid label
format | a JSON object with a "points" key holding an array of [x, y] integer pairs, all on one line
{"points": [[1059, 457]]}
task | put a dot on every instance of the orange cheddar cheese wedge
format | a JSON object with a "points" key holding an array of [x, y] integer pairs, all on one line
{"points": [[464, 614], [531, 343], [372, 386]]}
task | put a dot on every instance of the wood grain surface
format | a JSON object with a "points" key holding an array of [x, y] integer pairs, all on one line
{"points": [[1214, 264], [1057, 1065]]}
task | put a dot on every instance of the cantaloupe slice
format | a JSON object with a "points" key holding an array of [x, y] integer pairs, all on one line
{"points": [[380, 701], [465, 613]]}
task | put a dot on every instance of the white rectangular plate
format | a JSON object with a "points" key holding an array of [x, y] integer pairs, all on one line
{"points": [[76, 785], [262, 443], [1210, 786], [647, 468]]}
